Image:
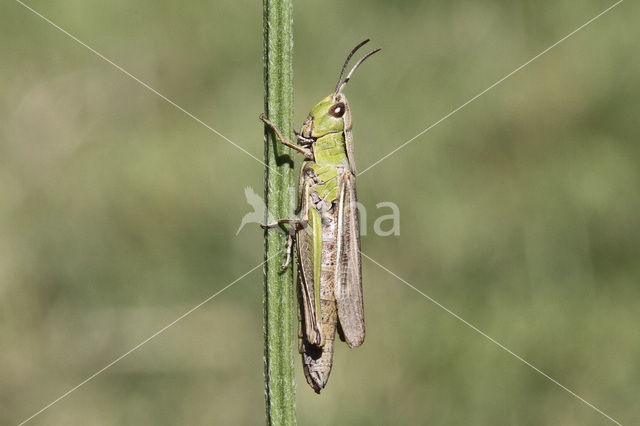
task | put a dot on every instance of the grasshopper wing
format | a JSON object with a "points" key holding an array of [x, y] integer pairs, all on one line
{"points": [[348, 284], [308, 258]]}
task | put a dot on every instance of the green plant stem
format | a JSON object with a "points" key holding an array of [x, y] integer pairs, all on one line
{"points": [[279, 196]]}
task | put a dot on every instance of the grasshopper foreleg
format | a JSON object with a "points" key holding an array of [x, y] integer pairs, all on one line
{"points": [[286, 141]]}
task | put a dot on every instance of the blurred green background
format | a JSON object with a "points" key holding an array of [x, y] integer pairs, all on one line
{"points": [[520, 213]]}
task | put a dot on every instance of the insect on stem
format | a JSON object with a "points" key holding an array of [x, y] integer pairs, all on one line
{"points": [[328, 243]]}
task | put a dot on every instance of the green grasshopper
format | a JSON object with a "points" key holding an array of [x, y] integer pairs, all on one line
{"points": [[327, 232]]}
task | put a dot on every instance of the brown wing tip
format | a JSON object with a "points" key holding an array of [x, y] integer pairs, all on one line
{"points": [[354, 343]]}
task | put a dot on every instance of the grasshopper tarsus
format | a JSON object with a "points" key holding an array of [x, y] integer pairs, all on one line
{"points": [[287, 261]]}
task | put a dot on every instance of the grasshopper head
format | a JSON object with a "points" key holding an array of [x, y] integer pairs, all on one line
{"points": [[332, 114], [326, 117]]}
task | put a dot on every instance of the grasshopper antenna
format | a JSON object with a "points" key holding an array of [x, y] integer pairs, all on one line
{"points": [[344, 67], [355, 67]]}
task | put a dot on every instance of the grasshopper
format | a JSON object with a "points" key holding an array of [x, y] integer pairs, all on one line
{"points": [[326, 232]]}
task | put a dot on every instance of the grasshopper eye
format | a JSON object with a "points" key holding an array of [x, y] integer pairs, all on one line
{"points": [[337, 110]]}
